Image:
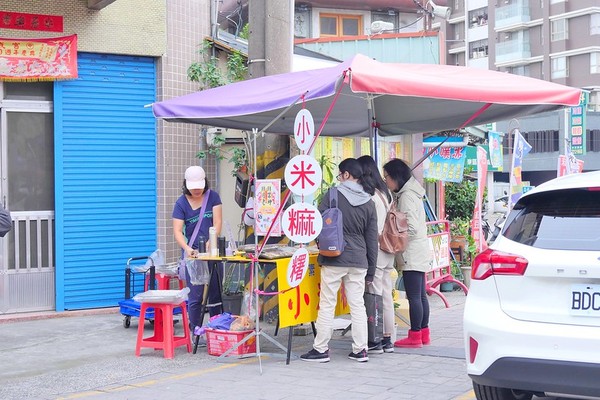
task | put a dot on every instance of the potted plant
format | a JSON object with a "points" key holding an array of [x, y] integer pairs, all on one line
{"points": [[239, 160], [234, 283]]}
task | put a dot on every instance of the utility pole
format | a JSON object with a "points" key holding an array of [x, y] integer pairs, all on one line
{"points": [[270, 50]]}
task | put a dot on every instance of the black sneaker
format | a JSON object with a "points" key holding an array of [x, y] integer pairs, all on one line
{"points": [[387, 345], [315, 356], [361, 356], [375, 348]]}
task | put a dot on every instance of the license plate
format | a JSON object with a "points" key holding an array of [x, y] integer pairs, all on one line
{"points": [[585, 300]]}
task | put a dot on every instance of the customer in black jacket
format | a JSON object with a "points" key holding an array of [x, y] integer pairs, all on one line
{"points": [[355, 266]]}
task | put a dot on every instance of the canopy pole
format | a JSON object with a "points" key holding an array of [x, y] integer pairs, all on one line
{"points": [[372, 132], [471, 118], [288, 192], [262, 131]]}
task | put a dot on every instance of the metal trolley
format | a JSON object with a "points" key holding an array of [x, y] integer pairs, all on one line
{"points": [[138, 279]]}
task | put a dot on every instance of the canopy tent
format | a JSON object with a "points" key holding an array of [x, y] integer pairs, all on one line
{"points": [[401, 98]]}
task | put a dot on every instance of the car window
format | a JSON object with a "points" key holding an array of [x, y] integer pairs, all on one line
{"points": [[560, 219]]}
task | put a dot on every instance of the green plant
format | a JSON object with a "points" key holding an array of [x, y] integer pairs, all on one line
{"points": [[460, 200], [328, 167], [234, 280], [460, 227], [209, 73], [237, 156], [455, 269], [245, 33]]}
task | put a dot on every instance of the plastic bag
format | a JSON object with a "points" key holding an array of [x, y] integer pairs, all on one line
{"points": [[220, 321], [249, 305], [242, 323], [198, 271], [157, 257], [181, 268]]}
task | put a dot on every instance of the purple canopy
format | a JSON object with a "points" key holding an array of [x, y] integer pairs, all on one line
{"points": [[401, 98]]}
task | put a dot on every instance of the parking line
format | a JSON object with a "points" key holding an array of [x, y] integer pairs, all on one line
{"points": [[470, 395]]}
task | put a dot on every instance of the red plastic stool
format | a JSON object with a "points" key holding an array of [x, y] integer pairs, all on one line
{"points": [[164, 334], [163, 282]]}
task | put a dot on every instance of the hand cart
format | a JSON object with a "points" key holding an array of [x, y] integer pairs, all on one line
{"points": [[139, 279]]}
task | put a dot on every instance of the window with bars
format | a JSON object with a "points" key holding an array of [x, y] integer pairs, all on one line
{"points": [[593, 140], [540, 141]]}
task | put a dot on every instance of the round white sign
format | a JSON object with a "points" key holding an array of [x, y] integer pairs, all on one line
{"points": [[302, 222], [303, 175], [297, 267], [304, 129]]}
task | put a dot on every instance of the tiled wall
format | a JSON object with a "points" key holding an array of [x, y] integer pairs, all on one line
{"points": [[188, 22], [133, 27]]}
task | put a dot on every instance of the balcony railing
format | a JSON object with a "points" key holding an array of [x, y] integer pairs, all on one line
{"points": [[512, 50], [513, 14]]}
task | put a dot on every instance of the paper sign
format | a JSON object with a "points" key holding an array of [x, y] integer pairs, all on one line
{"points": [[266, 204]]}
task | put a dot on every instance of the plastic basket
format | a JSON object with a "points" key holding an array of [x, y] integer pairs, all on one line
{"points": [[218, 342]]}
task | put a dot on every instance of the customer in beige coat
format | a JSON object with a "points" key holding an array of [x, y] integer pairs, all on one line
{"points": [[416, 259]]}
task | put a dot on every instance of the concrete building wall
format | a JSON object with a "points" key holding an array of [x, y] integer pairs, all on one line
{"points": [[133, 27]]}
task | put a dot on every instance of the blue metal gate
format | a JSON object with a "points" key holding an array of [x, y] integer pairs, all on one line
{"points": [[105, 157]]}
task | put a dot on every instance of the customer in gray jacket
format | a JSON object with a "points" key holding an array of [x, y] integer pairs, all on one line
{"points": [[416, 259], [355, 266]]}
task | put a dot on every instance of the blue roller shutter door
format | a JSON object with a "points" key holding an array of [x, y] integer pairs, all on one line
{"points": [[105, 149]]}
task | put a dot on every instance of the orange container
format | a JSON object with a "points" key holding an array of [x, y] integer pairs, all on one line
{"points": [[218, 342]]}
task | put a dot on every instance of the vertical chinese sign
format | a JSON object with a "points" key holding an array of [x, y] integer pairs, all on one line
{"points": [[268, 200], [577, 126], [495, 149], [476, 230], [38, 59], [301, 222]]}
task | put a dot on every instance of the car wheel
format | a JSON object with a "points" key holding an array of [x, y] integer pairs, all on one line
{"points": [[483, 392]]}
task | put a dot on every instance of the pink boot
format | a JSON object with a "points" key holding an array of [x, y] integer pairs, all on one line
{"points": [[413, 341], [425, 339]]}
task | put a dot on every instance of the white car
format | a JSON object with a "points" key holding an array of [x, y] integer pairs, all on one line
{"points": [[532, 316]]}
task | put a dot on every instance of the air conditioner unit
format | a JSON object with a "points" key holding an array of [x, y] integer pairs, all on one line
{"points": [[381, 26]]}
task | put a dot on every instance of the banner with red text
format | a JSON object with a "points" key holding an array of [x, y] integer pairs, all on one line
{"points": [[38, 59]]}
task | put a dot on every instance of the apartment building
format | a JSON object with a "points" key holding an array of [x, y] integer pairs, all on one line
{"points": [[553, 40]]}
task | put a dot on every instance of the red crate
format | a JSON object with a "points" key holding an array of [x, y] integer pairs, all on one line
{"points": [[218, 342]]}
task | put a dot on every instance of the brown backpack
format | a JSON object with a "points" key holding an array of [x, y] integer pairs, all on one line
{"points": [[394, 237]]}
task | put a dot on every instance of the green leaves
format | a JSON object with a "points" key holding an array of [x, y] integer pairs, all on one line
{"points": [[209, 71], [460, 200]]}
